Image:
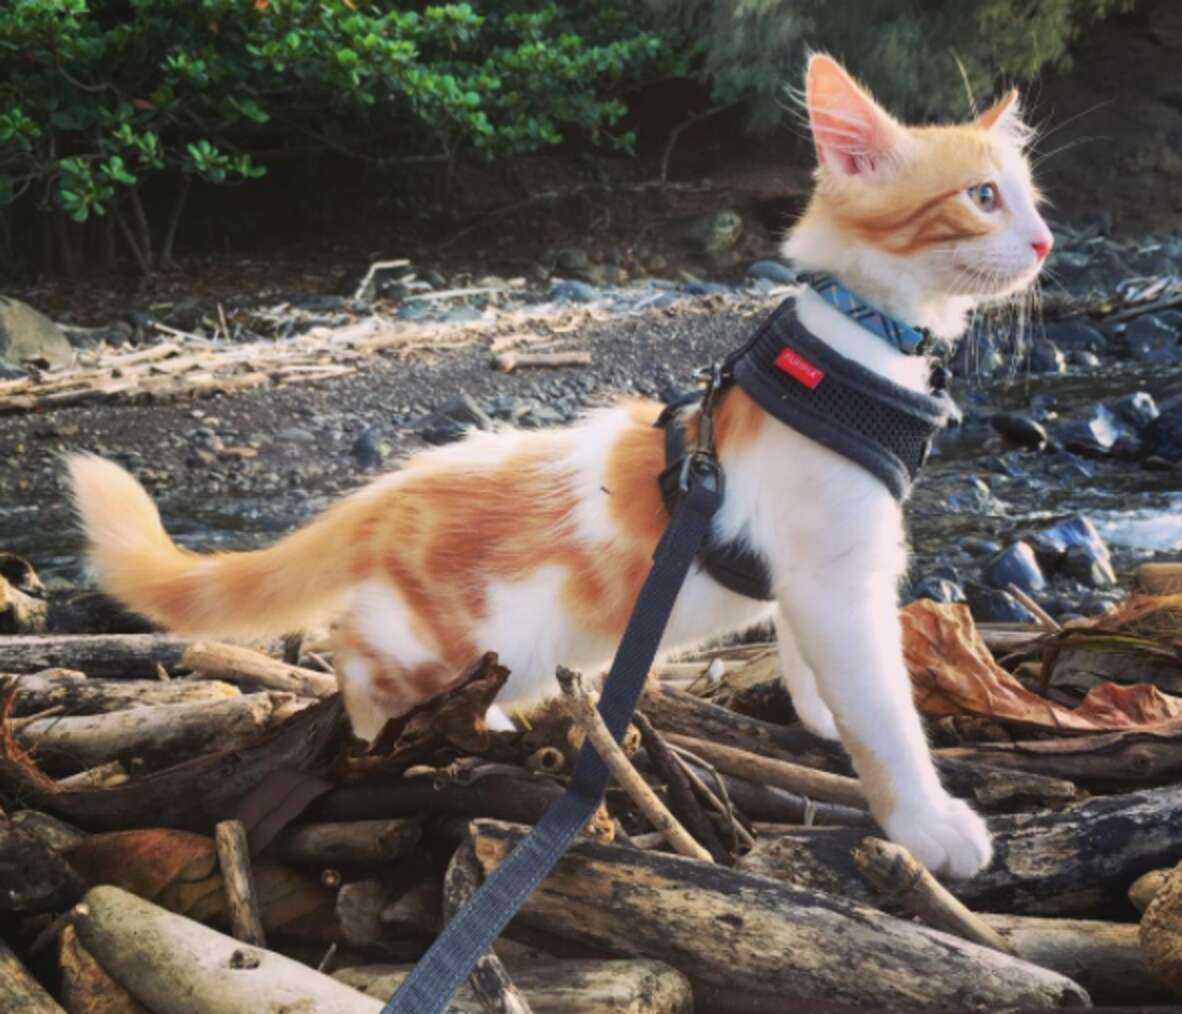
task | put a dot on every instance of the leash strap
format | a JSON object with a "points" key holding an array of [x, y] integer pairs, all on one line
{"points": [[442, 970]]}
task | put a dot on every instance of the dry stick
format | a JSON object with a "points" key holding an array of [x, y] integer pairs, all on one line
{"points": [[720, 801], [214, 660], [507, 362], [17, 724], [681, 794], [781, 774], [584, 714], [1044, 618], [894, 871], [488, 978], [104, 776], [234, 859], [1141, 308]]}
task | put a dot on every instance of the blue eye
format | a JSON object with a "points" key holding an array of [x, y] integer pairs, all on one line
{"points": [[985, 196]]}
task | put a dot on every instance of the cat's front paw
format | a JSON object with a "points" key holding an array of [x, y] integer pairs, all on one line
{"points": [[944, 834]]}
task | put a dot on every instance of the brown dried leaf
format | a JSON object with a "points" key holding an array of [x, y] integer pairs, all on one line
{"points": [[87, 987], [953, 673]]}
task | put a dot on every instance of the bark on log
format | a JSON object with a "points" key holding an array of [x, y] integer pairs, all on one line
{"points": [[87, 987], [242, 903], [95, 654], [1160, 933], [1103, 957], [572, 986], [174, 965], [768, 940], [80, 696], [33, 877], [19, 991], [1078, 862], [214, 660], [156, 735], [55, 834], [194, 794], [358, 841]]}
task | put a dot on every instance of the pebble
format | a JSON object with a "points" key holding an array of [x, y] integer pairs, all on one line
{"points": [[369, 450], [1163, 436], [573, 291], [772, 271], [1020, 429], [1152, 341], [991, 605], [1045, 357], [1017, 565], [939, 589], [1076, 335], [1137, 409]]}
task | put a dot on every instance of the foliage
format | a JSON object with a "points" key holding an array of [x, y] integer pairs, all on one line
{"points": [[96, 95], [916, 55]]}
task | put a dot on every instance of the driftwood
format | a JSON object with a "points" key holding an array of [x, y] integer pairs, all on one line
{"points": [[104, 776], [507, 362], [560, 986], [1103, 957], [159, 733], [80, 696], [19, 991], [33, 876], [97, 654], [174, 965], [214, 660], [21, 613], [86, 985], [1161, 931], [359, 841], [242, 902], [56, 835], [751, 941]]}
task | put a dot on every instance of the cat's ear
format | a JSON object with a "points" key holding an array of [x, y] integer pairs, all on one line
{"points": [[1005, 117], [852, 132]]}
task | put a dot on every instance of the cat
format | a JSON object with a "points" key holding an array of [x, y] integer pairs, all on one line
{"points": [[535, 544]]}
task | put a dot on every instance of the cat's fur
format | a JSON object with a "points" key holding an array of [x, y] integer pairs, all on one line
{"points": [[535, 544]]}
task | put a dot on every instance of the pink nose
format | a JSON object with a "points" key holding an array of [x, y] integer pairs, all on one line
{"points": [[1042, 247]]}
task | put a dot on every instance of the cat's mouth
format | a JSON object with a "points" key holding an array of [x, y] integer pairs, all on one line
{"points": [[995, 280]]}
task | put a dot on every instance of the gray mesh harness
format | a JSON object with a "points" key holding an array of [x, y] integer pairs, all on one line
{"points": [[799, 380]]}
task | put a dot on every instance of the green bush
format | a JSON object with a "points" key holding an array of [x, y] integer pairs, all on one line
{"points": [[96, 95]]}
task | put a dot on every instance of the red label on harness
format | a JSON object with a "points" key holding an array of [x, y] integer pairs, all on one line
{"points": [[799, 368]]}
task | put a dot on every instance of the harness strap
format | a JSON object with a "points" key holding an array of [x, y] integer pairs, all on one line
{"points": [[443, 969]]}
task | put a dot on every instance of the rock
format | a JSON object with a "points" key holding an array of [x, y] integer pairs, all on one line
{"points": [[697, 287], [772, 271], [1162, 438], [990, 605], [1076, 335], [1138, 410], [1075, 547], [1020, 429], [1097, 432], [1080, 564], [939, 589], [1017, 565], [715, 233], [27, 336], [975, 546], [370, 450], [462, 314], [974, 497], [1152, 341], [977, 356], [1082, 357], [656, 263], [452, 420], [574, 291], [1045, 357], [571, 260]]}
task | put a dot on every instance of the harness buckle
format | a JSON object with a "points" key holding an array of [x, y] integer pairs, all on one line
{"points": [[700, 466]]}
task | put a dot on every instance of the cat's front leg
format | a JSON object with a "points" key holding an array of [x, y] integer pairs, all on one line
{"points": [[847, 628]]}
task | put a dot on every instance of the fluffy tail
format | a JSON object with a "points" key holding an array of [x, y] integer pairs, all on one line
{"points": [[254, 594]]}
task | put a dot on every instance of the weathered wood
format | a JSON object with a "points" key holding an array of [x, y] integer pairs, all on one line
{"points": [[21, 613], [157, 734], [87, 987], [507, 362], [1143, 890], [214, 660], [897, 874], [33, 877], [94, 654], [1077, 862], [19, 991], [1159, 578], [560, 986], [104, 776], [488, 979], [731, 930], [781, 774], [80, 696], [1103, 957], [177, 966], [242, 902], [55, 834], [358, 841], [1160, 933]]}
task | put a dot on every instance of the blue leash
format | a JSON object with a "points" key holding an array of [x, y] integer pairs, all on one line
{"points": [[442, 970]]}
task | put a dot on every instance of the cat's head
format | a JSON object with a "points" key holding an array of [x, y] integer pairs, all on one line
{"points": [[940, 211]]}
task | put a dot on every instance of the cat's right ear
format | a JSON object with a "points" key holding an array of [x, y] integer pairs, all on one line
{"points": [[853, 133]]}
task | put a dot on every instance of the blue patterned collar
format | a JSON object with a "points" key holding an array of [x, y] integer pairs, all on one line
{"points": [[911, 341]]}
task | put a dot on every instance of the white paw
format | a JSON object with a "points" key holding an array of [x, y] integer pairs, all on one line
{"points": [[944, 834], [818, 719]]}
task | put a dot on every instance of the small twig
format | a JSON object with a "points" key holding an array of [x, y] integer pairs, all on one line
{"points": [[584, 714], [1045, 619], [1142, 308], [894, 871], [234, 859], [721, 800], [488, 978], [17, 724], [105, 776], [373, 269], [325, 964], [51, 932], [507, 362]]}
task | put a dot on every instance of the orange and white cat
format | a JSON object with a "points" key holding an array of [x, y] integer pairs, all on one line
{"points": [[534, 545]]}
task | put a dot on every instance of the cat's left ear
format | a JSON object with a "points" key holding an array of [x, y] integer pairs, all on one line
{"points": [[1005, 117]]}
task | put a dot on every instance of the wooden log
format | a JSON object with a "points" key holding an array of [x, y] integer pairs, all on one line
{"points": [[214, 660], [559, 986], [1144, 889], [358, 841], [1077, 862], [777, 943], [1159, 578], [507, 362], [94, 654], [34, 878], [55, 834], [242, 903], [157, 734], [80, 696], [19, 991], [1160, 933], [21, 613], [87, 986], [174, 965], [769, 771], [1103, 957]]}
